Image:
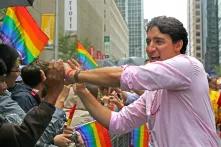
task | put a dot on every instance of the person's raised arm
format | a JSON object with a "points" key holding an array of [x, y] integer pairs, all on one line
{"points": [[98, 111], [54, 81]]}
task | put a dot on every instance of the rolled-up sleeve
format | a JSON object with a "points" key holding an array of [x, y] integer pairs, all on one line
{"points": [[128, 118]]}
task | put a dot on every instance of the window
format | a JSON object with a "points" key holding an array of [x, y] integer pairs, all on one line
{"points": [[197, 19], [198, 33], [198, 55], [197, 26], [197, 13]]}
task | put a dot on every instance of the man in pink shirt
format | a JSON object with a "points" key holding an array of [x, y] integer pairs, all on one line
{"points": [[175, 102]]}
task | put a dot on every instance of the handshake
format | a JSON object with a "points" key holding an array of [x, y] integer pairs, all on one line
{"points": [[71, 69]]}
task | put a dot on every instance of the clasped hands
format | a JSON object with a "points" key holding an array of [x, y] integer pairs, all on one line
{"points": [[72, 69]]}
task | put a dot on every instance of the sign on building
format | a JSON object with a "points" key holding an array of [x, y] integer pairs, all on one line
{"points": [[47, 25], [70, 15], [107, 45]]}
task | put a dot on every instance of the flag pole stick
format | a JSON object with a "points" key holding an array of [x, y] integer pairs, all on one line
{"points": [[56, 31]]}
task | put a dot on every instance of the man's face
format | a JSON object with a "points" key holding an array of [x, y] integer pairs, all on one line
{"points": [[160, 46], [13, 75]]}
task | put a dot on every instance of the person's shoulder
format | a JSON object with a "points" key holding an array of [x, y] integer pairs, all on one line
{"points": [[20, 87], [195, 62], [4, 98], [183, 60], [7, 104], [185, 64], [24, 94], [188, 58]]}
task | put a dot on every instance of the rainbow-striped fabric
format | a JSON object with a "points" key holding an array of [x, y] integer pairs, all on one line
{"points": [[94, 135], [84, 57], [20, 31], [140, 137]]}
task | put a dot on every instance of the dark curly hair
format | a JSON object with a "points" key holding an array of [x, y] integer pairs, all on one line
{"points": [[3, 68], [9, 55], [31, 75], [172, 27]]}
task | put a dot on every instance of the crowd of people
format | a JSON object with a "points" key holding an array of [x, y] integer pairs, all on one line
{"points": [[170, 94], [215, 98]]}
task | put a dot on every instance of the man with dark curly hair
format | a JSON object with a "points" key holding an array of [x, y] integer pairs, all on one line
{"points": [[175, 103]]}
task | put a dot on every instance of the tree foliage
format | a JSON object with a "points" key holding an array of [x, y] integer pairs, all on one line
{"points": [[67, 46], [86, 43]]}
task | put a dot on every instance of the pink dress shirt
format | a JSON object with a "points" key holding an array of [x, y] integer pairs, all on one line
{"points": [[175, 104]]}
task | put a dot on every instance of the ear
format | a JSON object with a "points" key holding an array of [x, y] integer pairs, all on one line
{"points": [[178, 46], [43, 77]]}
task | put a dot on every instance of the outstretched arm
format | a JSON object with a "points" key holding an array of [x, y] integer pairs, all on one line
{"points": [[99, 112], [107, 76]]}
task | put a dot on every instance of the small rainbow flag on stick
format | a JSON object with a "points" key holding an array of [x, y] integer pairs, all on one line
{"points": [[84, 57], [140, 137], [20, 31], [71, 114], [94, 135]]}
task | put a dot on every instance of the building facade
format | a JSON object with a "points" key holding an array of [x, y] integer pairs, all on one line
{"points": [[117, 31], [91, 22], [133, 13], [195, 28], [95, 21], [203, 31], [219, 28], [123, 8], [212, 41]]}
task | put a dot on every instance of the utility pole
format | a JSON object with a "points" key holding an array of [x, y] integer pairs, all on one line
{"points": [[56, 30]]}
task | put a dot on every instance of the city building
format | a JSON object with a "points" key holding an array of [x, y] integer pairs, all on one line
{"points": [[123, 8], [195, 29], [132, 11], [203, 31], [115, 31], [212, 41], [97, 21]]}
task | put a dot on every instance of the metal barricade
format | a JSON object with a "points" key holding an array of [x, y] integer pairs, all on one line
{"points": [[121, 140]]}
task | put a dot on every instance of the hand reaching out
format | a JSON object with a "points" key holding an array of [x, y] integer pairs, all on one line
{"points": [[75, 136], [62, 140], [79, 88], [74, 64], [62, 97], [54, 81], [71, 67]]}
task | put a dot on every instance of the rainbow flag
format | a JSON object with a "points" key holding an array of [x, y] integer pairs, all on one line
{"points": [[84, 57], [94, 135], [20, 31], [140, 137]]}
